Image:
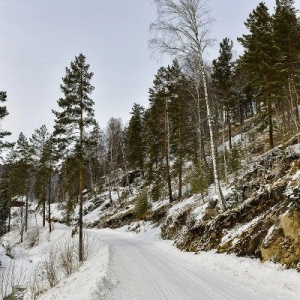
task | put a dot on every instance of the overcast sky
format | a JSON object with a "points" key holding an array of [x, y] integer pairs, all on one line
{"points": [[39, 38]]}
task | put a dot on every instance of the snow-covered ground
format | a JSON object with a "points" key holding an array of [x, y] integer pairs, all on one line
{"points": [[149, 268], [124, 265]]}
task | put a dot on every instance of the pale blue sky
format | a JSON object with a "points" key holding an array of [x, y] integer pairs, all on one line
{"points": [[39, 38]]}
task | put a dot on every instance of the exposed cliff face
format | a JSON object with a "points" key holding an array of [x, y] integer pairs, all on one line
{"points": [[282, 244], [264, 223]]}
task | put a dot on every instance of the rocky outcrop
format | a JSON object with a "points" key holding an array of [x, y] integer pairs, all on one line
{"points": [[282, 244], [264, 223]]}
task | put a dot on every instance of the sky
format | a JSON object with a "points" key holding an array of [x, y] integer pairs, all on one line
{"points": [[39, 39]]}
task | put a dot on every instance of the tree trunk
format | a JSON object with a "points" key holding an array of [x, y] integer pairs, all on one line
{"points": [[224, 152], [26, 211], [9, 219], [228, 123], [212, 144], [109, 189], [49, 205], [271, 141], [180, 167], [241, 118], [22, 224], [180, 150], [44, 209], [80, 221], [167, 151], [199, 128]]}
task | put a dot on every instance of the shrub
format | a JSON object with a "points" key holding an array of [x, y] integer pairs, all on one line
{"points": [[68, 256], [141, 205], [156, 191], [200, 179], [234, 159], [50, 268]]}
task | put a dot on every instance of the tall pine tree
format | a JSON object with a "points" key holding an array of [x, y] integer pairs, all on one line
{"points": [[223, 79], [259, 60], [3, 113], [135, 143], [287, 40], [75, 116]]}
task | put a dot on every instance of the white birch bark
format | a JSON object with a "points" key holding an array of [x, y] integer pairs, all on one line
{"points": [[212, 144]]}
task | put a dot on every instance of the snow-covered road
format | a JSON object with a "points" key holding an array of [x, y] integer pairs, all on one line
{"points": [[152, 270]]}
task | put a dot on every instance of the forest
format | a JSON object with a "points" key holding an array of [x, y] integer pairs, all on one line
{"points": [[194, 107]]}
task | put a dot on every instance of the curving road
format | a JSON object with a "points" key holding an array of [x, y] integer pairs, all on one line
{"points": [[145, 270]]}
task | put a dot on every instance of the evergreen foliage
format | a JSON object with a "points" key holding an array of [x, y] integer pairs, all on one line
{"points": [[142, 205], [200, 179], [135, 141], [95, 157], [156, 191], [4, 200], [222, 77], [259, 60], [286, 30], [3, 114], [234, 159], [75, 116], [21, 172], [43, 158]]}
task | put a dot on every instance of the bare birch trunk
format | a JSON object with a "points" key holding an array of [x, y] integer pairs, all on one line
{"points": [[212, 144]]}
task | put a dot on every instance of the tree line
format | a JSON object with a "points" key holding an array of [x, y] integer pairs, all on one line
{"points": [[194, 106]]}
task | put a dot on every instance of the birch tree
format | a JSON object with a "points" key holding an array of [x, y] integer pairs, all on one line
{"points": [[115, 157], [181, 30]]}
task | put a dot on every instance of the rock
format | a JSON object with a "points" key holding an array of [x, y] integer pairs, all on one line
{"points": [[290, 223], [212, 203], [130, 177], [209, 213]]}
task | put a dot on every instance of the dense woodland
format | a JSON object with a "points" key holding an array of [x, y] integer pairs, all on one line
{"points": [[194, 106]]}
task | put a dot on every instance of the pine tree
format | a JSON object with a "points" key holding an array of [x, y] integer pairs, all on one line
{"points": [[179, 119], [43, 157], [4, 181], [21, 171], [158, 127], [223, 79], [135, 143], [4, 200], [200, 179], [69, 184], [76, 115], [3, 113], [168, 125], [259, 60], [287, 40], [142, 205]]}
